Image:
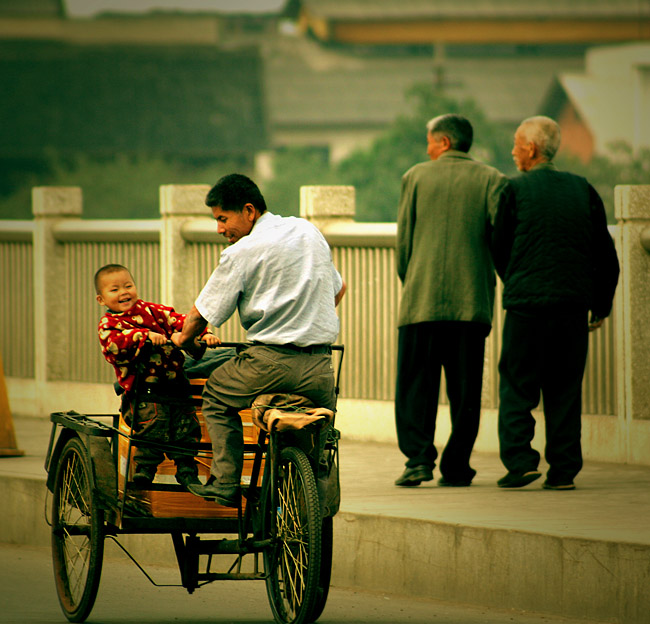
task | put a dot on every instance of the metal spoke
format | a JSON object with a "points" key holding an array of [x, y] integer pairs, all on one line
{"points": [[74, 512], [291, 530], [294, 562], [77, 532]]}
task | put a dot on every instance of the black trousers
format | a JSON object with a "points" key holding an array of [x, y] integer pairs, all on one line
{"points": [[544, 356], [423, 350], [170, 423]]}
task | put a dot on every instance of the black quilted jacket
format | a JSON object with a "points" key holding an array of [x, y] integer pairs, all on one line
{"points": [[551, 246]]}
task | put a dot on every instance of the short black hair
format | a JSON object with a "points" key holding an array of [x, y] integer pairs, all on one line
{"points": [[456, 128], [106, 270], [233, 192]]}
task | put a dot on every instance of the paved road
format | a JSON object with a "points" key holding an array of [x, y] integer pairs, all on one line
{"points": [[27, 596]]}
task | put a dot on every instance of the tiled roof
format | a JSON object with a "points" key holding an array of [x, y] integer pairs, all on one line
{"points": [[309, 85]]}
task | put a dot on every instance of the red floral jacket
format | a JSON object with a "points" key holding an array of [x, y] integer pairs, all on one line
{"points": [[123, 334]]}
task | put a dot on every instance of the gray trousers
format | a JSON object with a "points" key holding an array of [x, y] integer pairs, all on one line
{"points": [[259, 369]]}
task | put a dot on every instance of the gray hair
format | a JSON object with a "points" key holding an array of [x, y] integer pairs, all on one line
{"points": [[544, 132], [456, 128]]}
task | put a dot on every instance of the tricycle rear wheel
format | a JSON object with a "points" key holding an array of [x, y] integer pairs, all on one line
{"points": [[292, 518], [325, 575], [77, 532]]}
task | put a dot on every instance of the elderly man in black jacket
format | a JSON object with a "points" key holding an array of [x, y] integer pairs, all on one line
{"points": [[559, 268]]}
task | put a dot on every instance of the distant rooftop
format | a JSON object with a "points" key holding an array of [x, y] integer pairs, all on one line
{"points": [[611, 97], [425, 21], [87, 8], [367, 10], [311, 86]]}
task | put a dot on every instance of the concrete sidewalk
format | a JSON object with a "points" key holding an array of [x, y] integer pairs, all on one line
{"points": [[581, 554]]}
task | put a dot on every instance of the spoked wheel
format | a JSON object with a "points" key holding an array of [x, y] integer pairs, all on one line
{"points": [[292, 516], [77, 533], [325, 575]]}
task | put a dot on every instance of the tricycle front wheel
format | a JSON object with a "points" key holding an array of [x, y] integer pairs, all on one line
{"points": [[77, 532]]}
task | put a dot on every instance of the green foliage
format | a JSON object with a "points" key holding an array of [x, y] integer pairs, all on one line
{"points": [[176, 100], [293, 168], [623, 167], [127, 186], [122, 187], [18, 204], [172, 113], [376, 172]]}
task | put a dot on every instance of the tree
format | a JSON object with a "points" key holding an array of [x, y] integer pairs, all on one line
{"points": [[292, 168], [127, 186], [376, 172], [117, 187], [604, 173]]}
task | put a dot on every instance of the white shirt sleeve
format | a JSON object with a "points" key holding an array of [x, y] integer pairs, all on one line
{"points": [[337, 280], [218, 300]]}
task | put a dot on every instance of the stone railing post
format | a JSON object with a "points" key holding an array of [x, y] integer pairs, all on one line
{"points": [[50, 205], [325, 205], [178, 204], [633, 319]]}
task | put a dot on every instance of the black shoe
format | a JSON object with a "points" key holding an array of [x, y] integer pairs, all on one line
{"points": [[442, 482], [144, 475], [228, 496], [552, 485], [415, 476], [187, 477], [518, 479]]}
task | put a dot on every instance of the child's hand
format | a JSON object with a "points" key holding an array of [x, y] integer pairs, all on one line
{"points": [[156, 338], [211, 340]]}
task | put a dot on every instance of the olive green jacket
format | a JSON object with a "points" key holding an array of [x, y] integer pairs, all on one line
{"points": [[446, 211]]}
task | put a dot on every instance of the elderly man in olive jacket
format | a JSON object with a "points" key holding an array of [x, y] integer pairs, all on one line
{"points": [[445, 215]]}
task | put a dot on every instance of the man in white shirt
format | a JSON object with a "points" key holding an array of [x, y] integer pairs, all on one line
{"points": [[278, 274]]}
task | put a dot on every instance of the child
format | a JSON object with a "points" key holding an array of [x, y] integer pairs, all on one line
{"points": [[163, 412]]}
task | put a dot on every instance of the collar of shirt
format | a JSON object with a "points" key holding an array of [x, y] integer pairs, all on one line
{"points": [[262, 223], [455, 154], [549, 166], [135, 308]]}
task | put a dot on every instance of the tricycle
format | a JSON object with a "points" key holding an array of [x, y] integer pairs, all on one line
{"points": [[283, 527]]}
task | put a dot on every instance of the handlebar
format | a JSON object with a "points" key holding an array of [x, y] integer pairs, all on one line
{"points": [[334, 347]]}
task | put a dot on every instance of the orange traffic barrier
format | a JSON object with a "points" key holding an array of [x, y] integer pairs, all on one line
{"points": [[8, 447]]}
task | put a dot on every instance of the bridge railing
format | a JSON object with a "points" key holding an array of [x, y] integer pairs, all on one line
{"points": [[50, 315]]}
